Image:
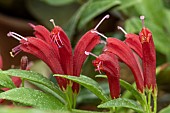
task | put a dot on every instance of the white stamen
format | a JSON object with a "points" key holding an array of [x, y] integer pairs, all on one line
{"points": [[89, 53], [11, 53], [103, 42], [60, 38], [142, 18], [106, 17], [98, 67], [120, 28], [93, 31], [52, 21], [16, 36]]}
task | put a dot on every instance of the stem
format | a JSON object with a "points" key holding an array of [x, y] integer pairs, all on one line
{"points": [[149, 92], [155, 103], [68, 101], [145, 101], [74, 100], [155, 99]]}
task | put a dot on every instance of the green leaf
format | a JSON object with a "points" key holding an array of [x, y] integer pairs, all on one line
{"points": [[93, 9], [29, 110], [88, 83], [47, 90], [58, 2], [165, 110], [122, 102], [6, 82], [101, 76], [134, 92], [33, 98], [35, 77]]}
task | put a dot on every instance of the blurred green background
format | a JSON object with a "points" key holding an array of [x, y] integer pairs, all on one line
{"points": [[77, 17]]}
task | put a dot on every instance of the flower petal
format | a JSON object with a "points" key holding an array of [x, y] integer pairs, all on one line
{"points": [[149, 58], [126, 55], [132, 40], [41, 32]]}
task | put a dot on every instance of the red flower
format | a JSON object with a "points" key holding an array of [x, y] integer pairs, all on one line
{"points": [[55, 50], [108, 63], [149, 57]]}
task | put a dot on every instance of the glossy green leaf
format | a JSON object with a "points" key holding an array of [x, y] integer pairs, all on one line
{"points": [[88, 83], [134, 92], [165, 110], [122, 102], [35, 77], [101, 76], [95, 8], [48, 90], [59, 2], [6, 82], [28, 110], [33, 98]]}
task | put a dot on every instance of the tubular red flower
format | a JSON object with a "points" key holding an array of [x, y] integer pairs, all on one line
{"points": [[149, 58], [108, 63], [87, 42], [122, 50]]}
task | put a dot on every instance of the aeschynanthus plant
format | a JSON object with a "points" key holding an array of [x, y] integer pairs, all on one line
{"points": [[55, 50]]}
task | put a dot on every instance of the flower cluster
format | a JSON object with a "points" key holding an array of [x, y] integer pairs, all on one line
{"points": [[129, 51], [55, 50]]}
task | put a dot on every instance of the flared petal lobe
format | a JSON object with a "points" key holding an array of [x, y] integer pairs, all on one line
{"points": [[122, 50], [87, 42], [149, 58], [41, 32], [132, 40], [108, 63]]}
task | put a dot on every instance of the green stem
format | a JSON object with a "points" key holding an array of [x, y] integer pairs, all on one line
{"points": [[68, 102], [155, 103], [145, 101], [74, 100], [155, 99], [149, 92]]}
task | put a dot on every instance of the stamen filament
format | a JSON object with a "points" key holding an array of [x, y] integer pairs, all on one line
{"points": [[60, 38], [98, 67], [142, 18], [103, 42], [99, 34], [16, 36], [106, 17], [89, 53], [120, 28], [52, 21]]}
